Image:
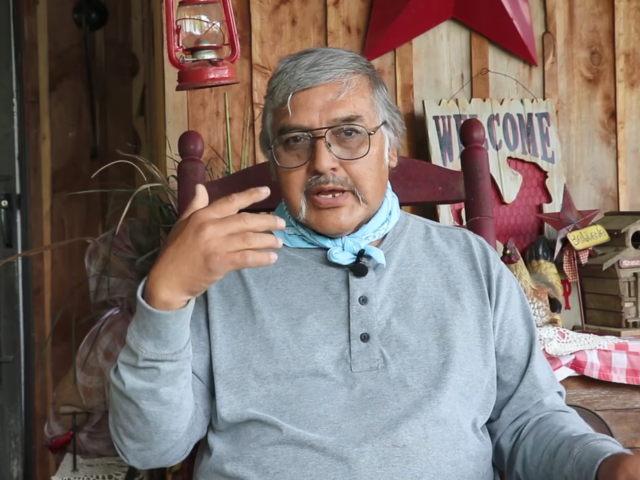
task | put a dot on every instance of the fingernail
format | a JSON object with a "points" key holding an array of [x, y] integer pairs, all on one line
{"points": [[281, 222], [280, 242], [265, 190], [273, 256]]}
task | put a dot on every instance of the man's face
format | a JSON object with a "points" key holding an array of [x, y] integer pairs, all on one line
{"points": [[334, 208]]}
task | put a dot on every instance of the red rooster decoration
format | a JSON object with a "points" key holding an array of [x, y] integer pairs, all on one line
{"points": [[518, 220]]}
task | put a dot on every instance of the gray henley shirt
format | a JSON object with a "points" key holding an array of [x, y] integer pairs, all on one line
{"points": [[428, 368]]}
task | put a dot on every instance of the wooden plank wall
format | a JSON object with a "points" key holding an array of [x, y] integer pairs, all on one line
{"points": [[33, 64], [75, 216], [588, 63], [627, 77], [58, 141]]}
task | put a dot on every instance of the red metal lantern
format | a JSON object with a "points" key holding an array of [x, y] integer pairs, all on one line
{"points": [[202, 42]]}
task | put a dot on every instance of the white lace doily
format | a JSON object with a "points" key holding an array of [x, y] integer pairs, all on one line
{"points": [[109, 468], [559, 341]]}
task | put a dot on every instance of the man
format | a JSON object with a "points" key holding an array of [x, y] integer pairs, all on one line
{"points": [[287, 364]]}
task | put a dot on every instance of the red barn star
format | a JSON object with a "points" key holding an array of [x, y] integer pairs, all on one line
{"points": [[568, 219], [505, 22]]}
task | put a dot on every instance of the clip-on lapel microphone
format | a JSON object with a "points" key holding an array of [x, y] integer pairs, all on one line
{"points": [[358, 268]]}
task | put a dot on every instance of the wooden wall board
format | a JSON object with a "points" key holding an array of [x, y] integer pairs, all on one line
{"points": [[207, 107], [504, 62], [586, 99], [139, 81], [147, 107], [550, 65], [441, 67], [442, 59], [627, 59], [347, 23], [299, 25], [42, 331], [155, 91], [72, 216], [121, 66], [35, 70], [405, 96], [480, 77]]}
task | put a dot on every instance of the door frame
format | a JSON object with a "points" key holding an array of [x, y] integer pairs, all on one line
{"points": [[16, 17]]}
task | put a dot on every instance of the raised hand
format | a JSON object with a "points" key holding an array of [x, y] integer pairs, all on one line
{"points": [[209, 241]]}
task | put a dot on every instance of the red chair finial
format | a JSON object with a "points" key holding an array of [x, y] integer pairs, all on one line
{"points": [[472, 132], [191, 171], [190, 145]]}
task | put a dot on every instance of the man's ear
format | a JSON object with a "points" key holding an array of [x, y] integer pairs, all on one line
{"points": [[393, 158]]}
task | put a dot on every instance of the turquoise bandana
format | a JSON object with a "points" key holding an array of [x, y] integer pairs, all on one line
{"points": [[345, 249]]}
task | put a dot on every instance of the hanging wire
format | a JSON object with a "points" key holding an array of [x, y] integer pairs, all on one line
{"points": [[486, 71]]}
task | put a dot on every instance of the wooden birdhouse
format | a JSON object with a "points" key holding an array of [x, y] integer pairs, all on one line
{"points": [[610, 280]]}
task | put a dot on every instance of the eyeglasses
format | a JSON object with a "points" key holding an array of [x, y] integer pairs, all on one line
{"points": [[346, 142]]}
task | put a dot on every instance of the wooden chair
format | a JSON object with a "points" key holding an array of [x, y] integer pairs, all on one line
{"points": [[415, 182]]}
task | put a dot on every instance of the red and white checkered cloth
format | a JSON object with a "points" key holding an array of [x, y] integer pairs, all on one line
{"points": [[618, 363], [570, 261]]}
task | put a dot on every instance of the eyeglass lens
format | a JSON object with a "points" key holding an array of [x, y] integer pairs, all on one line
{"points": [[347, 142]]}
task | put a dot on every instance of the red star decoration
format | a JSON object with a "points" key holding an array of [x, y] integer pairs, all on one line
{"points": [[506, 22], [568, 219]]}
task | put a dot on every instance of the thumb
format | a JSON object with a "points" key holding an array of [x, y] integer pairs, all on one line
{"points": [[200, 200]]}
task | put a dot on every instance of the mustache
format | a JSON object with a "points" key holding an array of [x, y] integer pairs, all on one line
{"points": [[325, 180], [334, 181]]}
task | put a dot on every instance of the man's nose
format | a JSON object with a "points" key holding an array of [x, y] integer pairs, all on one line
{"points": [[322, 159]]}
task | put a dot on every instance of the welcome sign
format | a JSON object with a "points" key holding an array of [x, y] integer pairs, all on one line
{"points": [[522, 129]]}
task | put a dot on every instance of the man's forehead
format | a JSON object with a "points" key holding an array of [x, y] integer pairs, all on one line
{"points": [[330, 103]]}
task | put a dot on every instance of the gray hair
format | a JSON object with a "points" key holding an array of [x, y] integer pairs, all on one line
{"points": [[318, 66]]}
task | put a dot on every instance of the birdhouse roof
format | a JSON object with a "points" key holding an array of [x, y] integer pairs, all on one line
{"points": [[619, 221], [610, 255]]}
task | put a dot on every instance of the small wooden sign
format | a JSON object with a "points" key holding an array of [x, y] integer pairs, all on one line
{"points": [[588, 237], [629, 263]]}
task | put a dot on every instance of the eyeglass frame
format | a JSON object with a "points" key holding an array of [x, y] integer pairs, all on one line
{"points": [[315, 138]]}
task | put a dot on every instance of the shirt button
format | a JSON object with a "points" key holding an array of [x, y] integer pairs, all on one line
{"points": [[363, 300], [364, 338]]}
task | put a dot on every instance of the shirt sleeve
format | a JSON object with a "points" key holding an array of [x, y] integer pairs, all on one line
{"points": [[535, 434], [161, 392]]}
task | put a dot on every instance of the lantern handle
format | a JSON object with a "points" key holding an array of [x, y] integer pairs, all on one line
{"points": [[233, 31], [172, 39]]}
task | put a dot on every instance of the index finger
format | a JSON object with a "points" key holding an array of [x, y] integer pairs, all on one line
{"points": [[235, 202]]}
